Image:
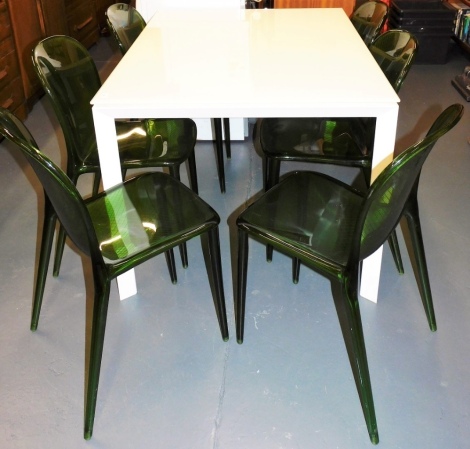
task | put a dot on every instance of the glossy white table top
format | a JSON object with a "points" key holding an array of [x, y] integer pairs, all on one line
{"points": [[247, 63]]}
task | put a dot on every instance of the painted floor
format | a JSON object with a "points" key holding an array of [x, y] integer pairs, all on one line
{"points": [[169, 381]]}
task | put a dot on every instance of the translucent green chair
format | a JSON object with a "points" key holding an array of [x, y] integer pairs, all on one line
{"points": [[331, 227], [369, 19], [70, 78], [118, 230], [126, 24], [346, 142]]}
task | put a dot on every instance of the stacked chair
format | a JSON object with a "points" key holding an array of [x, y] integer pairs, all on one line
{"points": [[159, 213], [126, 24]]}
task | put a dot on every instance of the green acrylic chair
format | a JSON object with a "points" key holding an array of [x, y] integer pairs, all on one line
{"points": [[331, 227], [118, 229], [126, 24], [346, 142], [369, 19], [70, 78]]}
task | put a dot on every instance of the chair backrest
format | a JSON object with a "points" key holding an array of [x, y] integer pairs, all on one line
{"points": [[395, 51], [389, 193], [369, 19], [61, 192], [70, 78], [125, 23]]}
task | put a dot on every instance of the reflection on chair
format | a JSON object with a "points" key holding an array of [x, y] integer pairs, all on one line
{"points": [[345, 141], [118, 230], [331, 227], [70, 78], [369, 19]]}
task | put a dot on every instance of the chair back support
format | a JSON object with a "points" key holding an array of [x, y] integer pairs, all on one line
{"points": [[387, 197], [395, 51], [369, 19], [70, 78], [60, 191], [125, 23]]}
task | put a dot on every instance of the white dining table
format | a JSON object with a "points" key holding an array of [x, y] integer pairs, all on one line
{"points": [[271, 63]]}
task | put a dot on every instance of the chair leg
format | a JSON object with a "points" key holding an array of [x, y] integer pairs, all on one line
{"points": [[273, 172], [347, 306], [44, 257], [96, 183], [395, 249], [170, 261], [175, 173], [414, 225], [228, 148], [193, 172], [219, 153], [216, 268], [295, 270], [100, 310], [61, 236], [59, 250], [240, 296]]}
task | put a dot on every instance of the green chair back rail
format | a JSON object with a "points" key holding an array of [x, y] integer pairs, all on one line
{"points": [[126, 24], [117, 230], [331, 227], [70, 78]]}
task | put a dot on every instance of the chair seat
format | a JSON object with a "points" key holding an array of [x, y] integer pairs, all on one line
{"points": [[309, 214], [131, 206]]}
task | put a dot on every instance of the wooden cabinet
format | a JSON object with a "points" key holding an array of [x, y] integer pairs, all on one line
{"points": [[27, 30], [101, 7], [23, 23], [11, 87], [347, 5]]}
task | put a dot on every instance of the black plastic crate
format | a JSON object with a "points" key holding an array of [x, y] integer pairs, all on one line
{"points": [[403, 21], [431, 22], [422, 9]]}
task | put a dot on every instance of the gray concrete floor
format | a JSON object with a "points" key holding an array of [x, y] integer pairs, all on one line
{"points": [[169, 381]]}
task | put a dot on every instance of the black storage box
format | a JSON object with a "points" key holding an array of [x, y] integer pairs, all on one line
{"points": [[432, 24]]}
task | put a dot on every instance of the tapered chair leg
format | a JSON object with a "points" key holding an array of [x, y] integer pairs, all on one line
{"points": [[175, 172], [295, 270], [59, 251], [44, 257], [170, 262], [219, 153], [96, 183], [100, 310], [61, 235], [240, 295], [395, 249], [228, 148], [347, 305], [193, 173], [273, 172], [414, 225], [216, 267]]}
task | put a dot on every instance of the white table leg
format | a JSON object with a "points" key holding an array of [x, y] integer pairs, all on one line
{"points": [[384, 145], [110, 163]]}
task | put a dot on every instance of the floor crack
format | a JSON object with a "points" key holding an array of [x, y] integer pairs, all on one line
{"points": [[218, 414]]}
